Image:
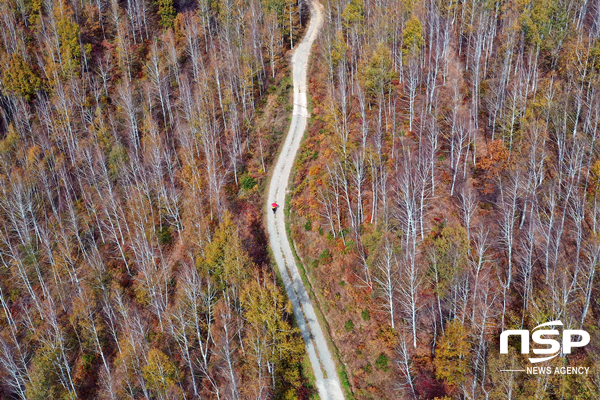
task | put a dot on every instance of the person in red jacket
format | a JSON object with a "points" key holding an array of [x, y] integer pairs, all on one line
{"points": [[274, 207]]}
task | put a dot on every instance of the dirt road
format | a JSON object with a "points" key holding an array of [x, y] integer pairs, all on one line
{"points": [[323, 366]]}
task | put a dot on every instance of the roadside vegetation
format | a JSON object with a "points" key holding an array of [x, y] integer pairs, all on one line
{"points": [[447, 190], [135, 141]]}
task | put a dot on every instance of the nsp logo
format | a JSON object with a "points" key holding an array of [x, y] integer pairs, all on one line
{"points": [[568, 342]]}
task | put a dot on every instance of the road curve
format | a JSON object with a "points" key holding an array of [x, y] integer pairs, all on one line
{"points": [[327, 381]]}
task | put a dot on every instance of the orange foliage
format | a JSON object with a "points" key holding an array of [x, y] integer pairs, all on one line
{"points": [[490, 165]]}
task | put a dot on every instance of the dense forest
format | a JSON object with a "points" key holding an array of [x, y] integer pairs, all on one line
{"points": [[135, 138], [448, 190]]}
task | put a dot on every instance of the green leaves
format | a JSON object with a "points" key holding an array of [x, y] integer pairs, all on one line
{"points": [[545, 23], [338, 49], [68, 36], [382, 362], [20, 79], [450, 356], [167, 13], [447, 254], [353, 12], [247, 182], [270, 335], [287, 16], [378, 73], [44, 380], [413, 37], [160, 373], [225, 258]]}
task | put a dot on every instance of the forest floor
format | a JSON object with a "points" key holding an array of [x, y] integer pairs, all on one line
{"points": [[324, 369]]}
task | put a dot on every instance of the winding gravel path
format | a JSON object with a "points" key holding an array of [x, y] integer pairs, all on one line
{"points": [[323, 366]]}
